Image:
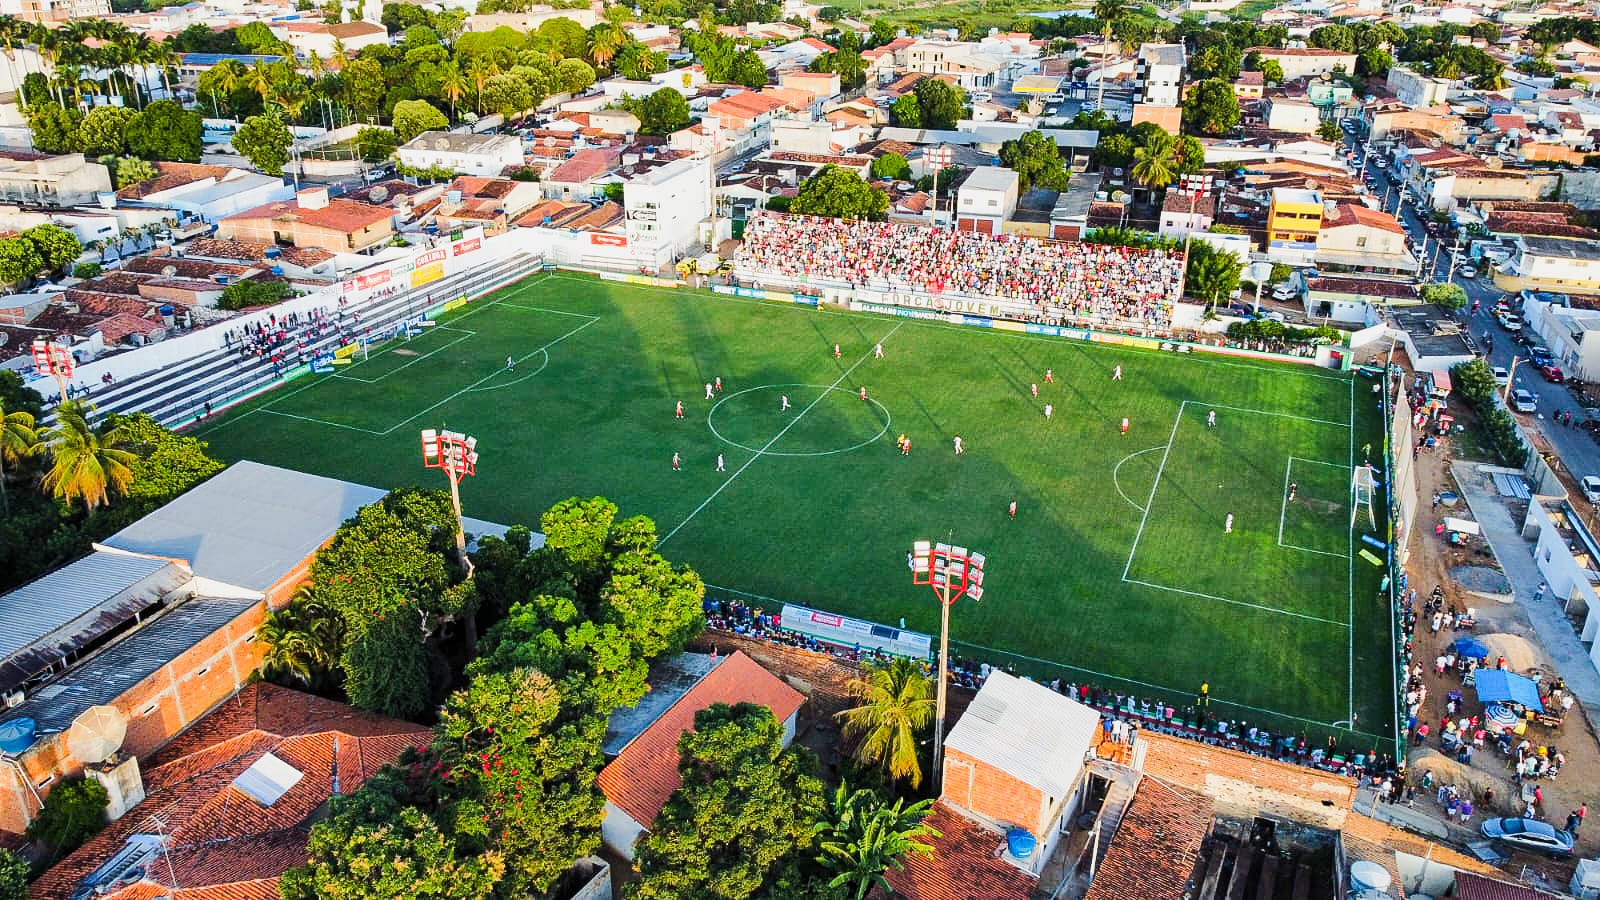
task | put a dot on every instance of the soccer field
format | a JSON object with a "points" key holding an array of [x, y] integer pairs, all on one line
{"points": [[1116, 570]]}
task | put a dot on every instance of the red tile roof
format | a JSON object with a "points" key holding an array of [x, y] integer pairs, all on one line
{"points": [[1357, 214], [645, 774], [965, 865], [1476, 887], [222, 842], [344, 216], [586, 165], [1154, 852]]}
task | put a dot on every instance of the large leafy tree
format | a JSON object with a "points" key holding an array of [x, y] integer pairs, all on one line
{"points": [[864, 835], [894, 706], [662, 112], [1212, 273], [1036, 161], [942, 103], [167, 463], [73, 812], [413, 117], [56, 129], [167, 131], [522, 776], [265, 141], [376, 144], [1211, 107], [749, 70], [745, 805], [385, 665], [87, 462], [840, 194], [19, 441], [104, 130], [906, 112], [56, 246]]}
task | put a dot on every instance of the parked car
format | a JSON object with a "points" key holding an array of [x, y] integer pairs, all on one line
{"points": [[1468, 271], [1540, 354], [1529, 834], [1057, 97], [1524, 401], [1510, 322], [1502, 375], [1552, 374], [1284, 292], [1591, 488]]}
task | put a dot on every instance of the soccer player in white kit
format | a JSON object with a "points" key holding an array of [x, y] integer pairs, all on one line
{"points": [[720, 466], [960, 448], [709, 392], [1116, 374], [877, 351], [1048, 410], [783, 404]]}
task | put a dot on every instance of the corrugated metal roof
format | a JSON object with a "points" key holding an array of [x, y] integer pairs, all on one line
{"points": [[250, 525], [65, 610], [108, 674], [1027, 731]]}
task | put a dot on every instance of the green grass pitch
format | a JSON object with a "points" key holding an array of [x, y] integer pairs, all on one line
{"points": [[1117, 568]]}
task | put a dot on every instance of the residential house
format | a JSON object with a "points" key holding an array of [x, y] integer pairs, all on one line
{"points": [[1350, 299], [464, 154], [314, 220], [54, 13], [748, 109], [1250, 86], [1155, 852], [1016, 759], [66, 180], [971, 68], [1069, 220], [1355, 237], [986, 199], [1288, 114], [1182, 216], [583, 175], [644, 773], [822, 86], [795, 55], [493, 203], [227, 805], [1415, 89], [325, 38], [963, 864], [1382, 120], [1305, 62], [1294, 219], [1553, 264]]}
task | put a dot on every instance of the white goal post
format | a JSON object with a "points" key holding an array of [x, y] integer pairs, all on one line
{"points": [[1362, 486]]}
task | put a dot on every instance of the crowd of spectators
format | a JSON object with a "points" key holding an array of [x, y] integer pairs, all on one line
{"points": [[1059, 282]]}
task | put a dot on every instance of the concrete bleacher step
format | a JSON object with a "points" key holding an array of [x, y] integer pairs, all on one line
{"points": [[176, 394]]}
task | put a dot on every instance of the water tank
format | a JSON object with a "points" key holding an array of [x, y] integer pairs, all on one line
{"points": [[272, 253], [166, 315], [1020, 843], [1368, 876], [16, 735], [276, 270]]}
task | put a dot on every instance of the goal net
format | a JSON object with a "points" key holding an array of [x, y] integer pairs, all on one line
{"points": [[1362, 486]]}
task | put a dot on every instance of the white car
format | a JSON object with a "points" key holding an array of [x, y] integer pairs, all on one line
{"points": [[1502, 375], [1468, 271], [1591, 488], [1510, 322], [1524, 401], [1057, 97], [981, 96], [1283, 293]]}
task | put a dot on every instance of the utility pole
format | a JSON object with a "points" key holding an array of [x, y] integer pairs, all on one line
{"points": [[1511, 379]]}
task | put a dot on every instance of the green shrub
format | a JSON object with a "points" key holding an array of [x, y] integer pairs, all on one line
{"points": [[86, 270], [74, 812]]}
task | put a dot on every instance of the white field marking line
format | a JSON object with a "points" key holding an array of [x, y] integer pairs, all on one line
{"points": [[1263, 412], [1282, 512], [1151, 500], [516, 288], [1158, 687], [1282, 612], [491, 375], [775, 438], [535, 373], [1207, 359], [465, 336], [316, 421], [1118, 467], [545, 309], [1350, 568]]}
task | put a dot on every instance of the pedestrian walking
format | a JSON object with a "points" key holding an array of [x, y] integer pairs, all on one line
{"points": [[1538, 592], [877, 351]]}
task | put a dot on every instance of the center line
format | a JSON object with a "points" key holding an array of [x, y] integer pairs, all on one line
{"points": [[768, 446]]}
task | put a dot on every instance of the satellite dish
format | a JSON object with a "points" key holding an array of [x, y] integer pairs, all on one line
{"points": [[1119, 197], [169, 271], [1311, 184], [97, 733]]}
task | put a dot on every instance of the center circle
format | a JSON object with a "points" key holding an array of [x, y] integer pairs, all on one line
{"points": [[831, 417]]}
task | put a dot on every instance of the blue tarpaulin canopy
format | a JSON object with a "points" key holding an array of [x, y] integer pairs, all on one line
{"points": [[1498, 686], [1471, 648]]}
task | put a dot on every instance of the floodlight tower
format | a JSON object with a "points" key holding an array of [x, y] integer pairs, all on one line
{"points": [[51, 358], [457, 455], [952, 572]]}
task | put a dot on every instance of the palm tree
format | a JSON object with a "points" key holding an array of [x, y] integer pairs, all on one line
{"points": [[12, 31], [259, 79], [480, 70], [18, 441], [605, 39], [303, 640], [864, 836], [1155, 165], [453, 85], [87, 461], [896, 703], [1108, 12]]}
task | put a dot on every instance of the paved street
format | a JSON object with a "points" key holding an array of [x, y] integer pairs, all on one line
{"points": [[1579, 453]]}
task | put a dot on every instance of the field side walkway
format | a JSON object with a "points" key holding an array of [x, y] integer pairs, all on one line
{"points": [[1515, 555]]}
